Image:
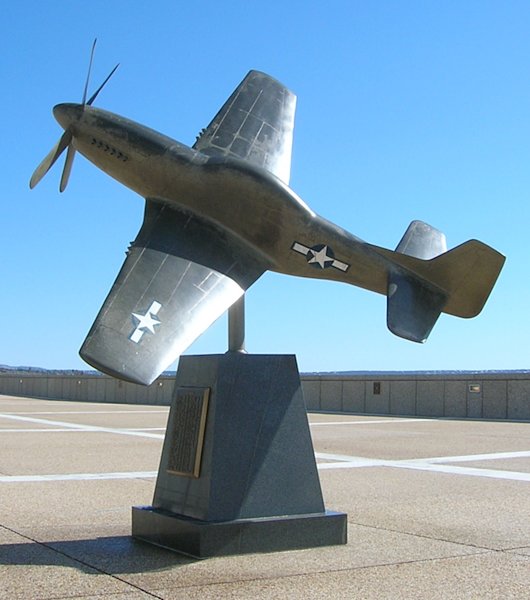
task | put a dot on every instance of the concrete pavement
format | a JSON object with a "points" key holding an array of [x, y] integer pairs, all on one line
{"points": [[436, 509]]}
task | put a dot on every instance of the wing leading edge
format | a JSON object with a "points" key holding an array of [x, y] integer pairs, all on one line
{"points": [[181, 274], [255, 124]]}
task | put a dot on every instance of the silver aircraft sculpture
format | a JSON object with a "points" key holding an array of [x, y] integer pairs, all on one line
{"points": [[221, 213]]}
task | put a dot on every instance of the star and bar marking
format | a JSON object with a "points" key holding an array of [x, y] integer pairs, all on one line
{"points": [[321, 256], [146, 322]]}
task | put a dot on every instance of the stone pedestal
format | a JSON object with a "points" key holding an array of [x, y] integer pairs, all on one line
{"points": [[238, 472]]}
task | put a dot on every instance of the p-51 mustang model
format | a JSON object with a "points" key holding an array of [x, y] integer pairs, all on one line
{"points": [[221, 213]]}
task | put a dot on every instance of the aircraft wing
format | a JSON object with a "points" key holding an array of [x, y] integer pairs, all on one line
{"points": [[255, 124], [170, 290]]}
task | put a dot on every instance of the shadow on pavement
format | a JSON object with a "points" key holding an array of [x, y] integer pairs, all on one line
{"points": [[116, 555]]}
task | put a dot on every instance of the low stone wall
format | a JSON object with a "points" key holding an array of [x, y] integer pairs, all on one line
{"points": [[487, 395], [86, 388], [476, 395]]}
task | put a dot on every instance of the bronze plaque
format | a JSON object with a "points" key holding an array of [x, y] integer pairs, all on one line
{"points": [[187, 440]]}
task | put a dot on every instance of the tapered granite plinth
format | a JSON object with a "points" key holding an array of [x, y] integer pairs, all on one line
{"points": [[238, 471]]}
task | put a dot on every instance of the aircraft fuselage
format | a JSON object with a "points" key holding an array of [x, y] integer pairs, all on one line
{"points": [[220, 214], [234, 194]]}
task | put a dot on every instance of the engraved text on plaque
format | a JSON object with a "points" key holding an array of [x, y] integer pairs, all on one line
{"points": [[190, 409]]}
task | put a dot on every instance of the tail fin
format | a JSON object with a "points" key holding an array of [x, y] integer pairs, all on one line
{"points": [[468, 273], [457, 282]]}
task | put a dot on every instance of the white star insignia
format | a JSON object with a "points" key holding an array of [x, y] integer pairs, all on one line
{"points": [[321, 257], [146, 322]]}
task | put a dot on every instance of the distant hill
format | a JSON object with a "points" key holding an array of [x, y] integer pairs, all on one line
{"points": [[94, 373], [41, 371], [4, 368], [37, 370]]}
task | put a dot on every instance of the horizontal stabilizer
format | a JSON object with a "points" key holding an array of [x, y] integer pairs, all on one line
{"points": [[413, 307], [422, 241], [466, 274]]}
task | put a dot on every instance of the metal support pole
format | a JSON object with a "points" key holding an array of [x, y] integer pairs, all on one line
{"points": [[236, 326]]}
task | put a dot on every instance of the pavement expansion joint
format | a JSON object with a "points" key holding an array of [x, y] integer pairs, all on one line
{"points": [[328, 571], [483, 549], [74, 559]]}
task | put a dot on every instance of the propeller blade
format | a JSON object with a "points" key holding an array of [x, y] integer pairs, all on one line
{"points": [[66, 139], [94, 95], [89, 69], [50, 158], [67, 168]]}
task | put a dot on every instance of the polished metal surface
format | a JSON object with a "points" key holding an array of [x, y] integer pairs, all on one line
{"points": [[219, 214], [236, 326]]}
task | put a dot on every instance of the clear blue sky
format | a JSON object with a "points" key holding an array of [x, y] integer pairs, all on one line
{"points": [[406, 110]]}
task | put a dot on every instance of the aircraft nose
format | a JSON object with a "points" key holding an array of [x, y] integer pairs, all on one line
{"points": [[67, 113]]}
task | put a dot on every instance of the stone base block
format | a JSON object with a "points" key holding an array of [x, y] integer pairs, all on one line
{"points": [[204, 539]]}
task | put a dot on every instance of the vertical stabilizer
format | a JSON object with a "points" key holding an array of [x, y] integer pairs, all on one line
{"points": [[457, 282]]}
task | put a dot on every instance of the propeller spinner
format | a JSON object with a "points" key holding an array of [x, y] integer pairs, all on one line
{"points": [[65, 140]]}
